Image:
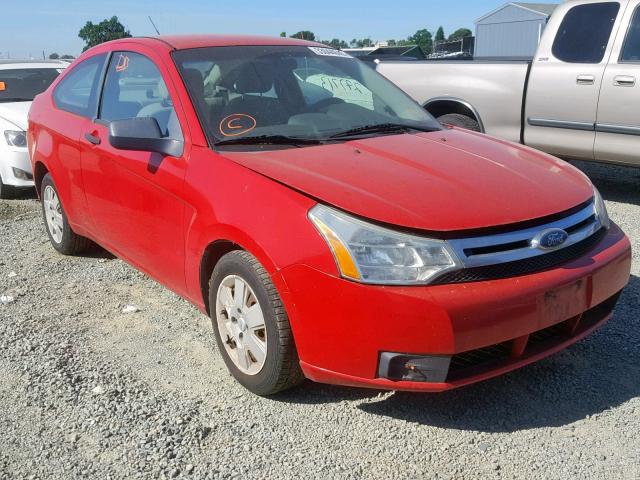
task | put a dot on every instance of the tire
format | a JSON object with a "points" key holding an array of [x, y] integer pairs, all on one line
{"points": [[262, 357], [62, 238], [6, 192], [460, 120]]}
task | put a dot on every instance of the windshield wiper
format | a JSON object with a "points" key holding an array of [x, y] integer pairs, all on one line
{"points": [[379, 128], [269, 140]]}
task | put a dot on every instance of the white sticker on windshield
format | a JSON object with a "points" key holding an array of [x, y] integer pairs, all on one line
{"points": [[329, 52]]}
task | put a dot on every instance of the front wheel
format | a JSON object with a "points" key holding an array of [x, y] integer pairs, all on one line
{"points": [[251, 326], [460, 120], [62, 238]]}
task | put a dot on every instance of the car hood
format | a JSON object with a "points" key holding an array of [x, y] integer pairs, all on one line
{"points": [[440, 181], [16, 113]]}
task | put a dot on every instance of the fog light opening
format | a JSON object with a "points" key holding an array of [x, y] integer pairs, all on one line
{"points": [[21, 174], [413, 368]]}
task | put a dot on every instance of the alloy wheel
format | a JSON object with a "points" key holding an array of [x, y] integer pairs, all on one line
{"points": [[240, 322], [53, 214]]}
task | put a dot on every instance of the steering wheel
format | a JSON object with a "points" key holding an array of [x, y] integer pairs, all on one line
{"points": [[325, 102]]}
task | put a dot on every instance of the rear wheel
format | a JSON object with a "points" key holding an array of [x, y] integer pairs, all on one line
{"points": [[460, 120], [251, 326], [62, 238]]}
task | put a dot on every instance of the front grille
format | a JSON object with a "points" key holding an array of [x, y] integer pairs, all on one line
{"points": [[474, 362], [523, 267]]}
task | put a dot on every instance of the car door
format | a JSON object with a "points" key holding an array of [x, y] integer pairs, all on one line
{"points": [[76, 103], [618, 123], [565, 79], [135, 198]]}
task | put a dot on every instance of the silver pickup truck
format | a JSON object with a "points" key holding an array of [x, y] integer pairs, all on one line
{"points": [[579, 97]]}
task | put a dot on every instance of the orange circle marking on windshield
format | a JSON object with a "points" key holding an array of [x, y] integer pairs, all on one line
{"points": [[237, 124]]}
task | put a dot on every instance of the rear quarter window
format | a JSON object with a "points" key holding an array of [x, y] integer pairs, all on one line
{"points": [[584, 33], [77, 92]]}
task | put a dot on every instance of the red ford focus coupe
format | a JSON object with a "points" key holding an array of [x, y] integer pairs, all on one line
{"points": [[328, 225]]}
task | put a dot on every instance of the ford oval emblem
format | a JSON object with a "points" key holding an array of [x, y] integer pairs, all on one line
{"points": [[550, 239]]}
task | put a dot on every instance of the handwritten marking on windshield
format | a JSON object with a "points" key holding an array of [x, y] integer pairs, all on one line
{"points": [[123, 63], [237, 124]]}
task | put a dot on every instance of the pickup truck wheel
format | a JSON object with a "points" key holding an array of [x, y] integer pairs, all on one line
{"points": [[460, 120], [62, 238], [251, 326]]}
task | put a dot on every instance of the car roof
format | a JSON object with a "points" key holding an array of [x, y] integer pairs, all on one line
{"points": [[183, 42], [15, 64]]}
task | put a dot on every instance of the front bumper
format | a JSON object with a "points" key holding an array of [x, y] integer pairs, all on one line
{"points": [[18, 159], [342, 328]]}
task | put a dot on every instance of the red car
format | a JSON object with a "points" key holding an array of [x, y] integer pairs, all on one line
{"points": [[329, 226]]}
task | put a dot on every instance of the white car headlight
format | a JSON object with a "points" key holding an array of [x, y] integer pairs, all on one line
{"points": [[16, 138], [601, 209], [371, 254]]}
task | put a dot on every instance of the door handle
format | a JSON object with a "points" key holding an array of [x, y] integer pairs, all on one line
{"points": [[624, 81], [92, 138], [586, 79]]}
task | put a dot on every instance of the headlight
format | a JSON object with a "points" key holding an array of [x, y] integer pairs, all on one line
{"points": [[371, 254], [16, 138], [601, 209]]}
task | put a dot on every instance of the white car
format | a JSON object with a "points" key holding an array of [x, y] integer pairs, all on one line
{"points": [[20, 82]]}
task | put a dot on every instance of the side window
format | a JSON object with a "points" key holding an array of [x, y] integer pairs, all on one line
{"points": [[584, 33], [631, 49], [77, 92], [133, 88]]}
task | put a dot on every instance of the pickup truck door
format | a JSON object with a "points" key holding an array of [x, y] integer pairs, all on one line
{"points": [[618, 122], [565, 79]]}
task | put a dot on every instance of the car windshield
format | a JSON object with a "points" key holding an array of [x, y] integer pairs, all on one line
{"points": [[23, 84], [279, 94]]}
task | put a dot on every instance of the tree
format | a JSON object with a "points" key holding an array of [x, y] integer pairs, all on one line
{"points": [[95, 34], [392, 43], [54, 56], [460, 33], [336, 43], [67, 57], [440, 35], [423, 39], [304, 35], [283, 34], [360, 43]]}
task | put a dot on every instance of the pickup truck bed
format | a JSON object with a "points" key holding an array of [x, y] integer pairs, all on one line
{"points": [[495, 88]]}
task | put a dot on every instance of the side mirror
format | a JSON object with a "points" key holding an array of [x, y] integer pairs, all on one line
{"points": [[142, 134]]}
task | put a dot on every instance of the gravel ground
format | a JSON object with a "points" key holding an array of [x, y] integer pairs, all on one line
{"points": [[93, 388]]}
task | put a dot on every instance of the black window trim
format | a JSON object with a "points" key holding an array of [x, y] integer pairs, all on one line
{"points": [[92, 107], [610, 41], [103, 77], [635, 14]]}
